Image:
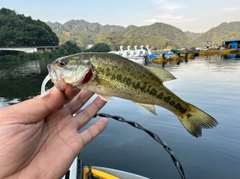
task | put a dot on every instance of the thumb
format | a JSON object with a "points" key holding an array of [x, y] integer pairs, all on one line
{"points": [[35, 109]]}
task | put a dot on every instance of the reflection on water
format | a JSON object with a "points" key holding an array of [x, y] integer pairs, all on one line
{"points": [[4, 102], [230, 56], [21, 80], [211, 84], [22, 69]]}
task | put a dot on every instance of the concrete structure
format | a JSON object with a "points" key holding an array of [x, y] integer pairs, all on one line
{"points": [[39, 49]]}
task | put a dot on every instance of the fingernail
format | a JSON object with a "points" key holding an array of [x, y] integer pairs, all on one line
{"points": [[104, 120]]}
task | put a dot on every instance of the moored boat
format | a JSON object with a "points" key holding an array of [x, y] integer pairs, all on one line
{"points": [[79, 171], [175, 58], [187, 56], [140, 60], [219, 52], [205, 53], [160, 60], [226, 51], [140, 56]]}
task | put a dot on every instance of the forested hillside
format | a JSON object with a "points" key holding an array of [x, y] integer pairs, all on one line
{"points": [[222, 32], [193, 35], [234, 35], [158, 35], [18, 30], [81, 31]]}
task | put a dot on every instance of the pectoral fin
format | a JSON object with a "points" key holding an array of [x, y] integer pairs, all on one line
{"points": [[148, 107], [103, 82], [105, 97]]}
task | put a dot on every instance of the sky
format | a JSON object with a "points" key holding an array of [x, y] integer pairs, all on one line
{"points": [[187, 15]]}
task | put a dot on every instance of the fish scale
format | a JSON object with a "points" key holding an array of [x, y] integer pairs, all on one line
{"points": [[138, 85], [114, 75]]}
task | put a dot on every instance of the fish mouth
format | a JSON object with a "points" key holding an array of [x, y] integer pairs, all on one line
{"points": [[60, 83], [55, 76], [52, 73]]}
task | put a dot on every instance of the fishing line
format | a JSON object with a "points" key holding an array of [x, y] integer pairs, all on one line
{"points": [[153, 135], [43, 87]]}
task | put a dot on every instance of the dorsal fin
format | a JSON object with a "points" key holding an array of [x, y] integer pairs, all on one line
{"points": [[161, 73]]}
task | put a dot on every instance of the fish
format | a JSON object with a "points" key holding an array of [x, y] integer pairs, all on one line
{"points": [[110, 75]]}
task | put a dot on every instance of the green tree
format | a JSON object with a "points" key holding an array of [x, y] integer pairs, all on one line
{"points": [[18, 30], [99, 47]]}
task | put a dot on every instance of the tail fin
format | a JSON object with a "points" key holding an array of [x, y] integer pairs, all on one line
{"points": [[195, 119]]}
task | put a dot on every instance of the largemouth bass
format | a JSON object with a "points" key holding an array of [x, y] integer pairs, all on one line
{"points": [[112, 75]]}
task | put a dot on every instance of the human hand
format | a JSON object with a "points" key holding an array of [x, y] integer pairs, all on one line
{"points": [[39, 137]]}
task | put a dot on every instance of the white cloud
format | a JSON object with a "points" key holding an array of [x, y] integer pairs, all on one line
{"points": [[167, 5], [168, 18], [140, 15], [231, 9], [168, 12]]}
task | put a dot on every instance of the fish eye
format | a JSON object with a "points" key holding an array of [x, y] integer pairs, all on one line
{"points": [[62, 62]]}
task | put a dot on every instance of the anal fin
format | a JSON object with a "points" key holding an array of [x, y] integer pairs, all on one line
{"points": [[148, 107]]}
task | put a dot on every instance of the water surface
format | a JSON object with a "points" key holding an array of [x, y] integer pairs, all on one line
{"points": [[212, 84]]}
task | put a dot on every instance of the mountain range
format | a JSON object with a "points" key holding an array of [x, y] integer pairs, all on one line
{"points": [[158, 35]]}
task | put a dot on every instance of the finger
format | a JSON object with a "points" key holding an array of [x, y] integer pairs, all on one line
{"points": [[92, 132], [70, 92], [55, 99], [84, 116], [78, 101], [34, 110]]}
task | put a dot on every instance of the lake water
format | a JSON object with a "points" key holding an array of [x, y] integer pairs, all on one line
{"points": [[210, 83]]}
